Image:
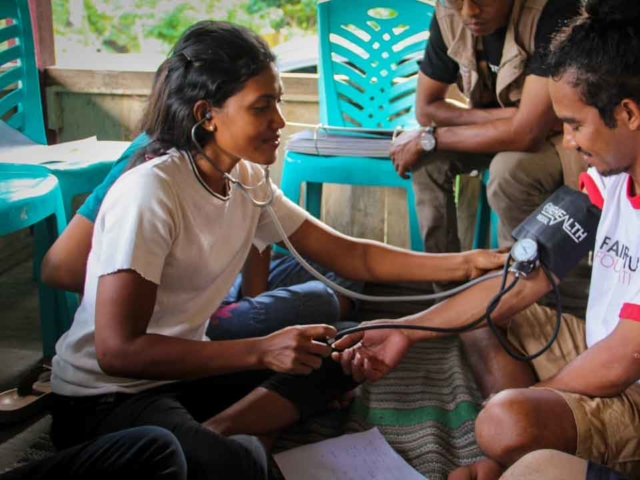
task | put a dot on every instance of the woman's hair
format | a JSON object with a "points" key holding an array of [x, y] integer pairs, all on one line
{"points": [[599, 52], [211, 61]]}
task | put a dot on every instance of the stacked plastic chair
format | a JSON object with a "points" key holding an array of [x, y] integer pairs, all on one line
{"points": [[30, 197], [367, 79], [21, 108], [23, 104]]}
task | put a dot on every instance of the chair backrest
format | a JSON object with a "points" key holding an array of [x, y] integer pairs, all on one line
{"points": [[20, 101], [368, 66]]}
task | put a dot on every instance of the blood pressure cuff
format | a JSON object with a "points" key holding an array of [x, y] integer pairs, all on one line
{"points": [[564, 227]]}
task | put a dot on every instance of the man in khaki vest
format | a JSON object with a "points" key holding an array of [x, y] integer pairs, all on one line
{"points": [[494, 51]]}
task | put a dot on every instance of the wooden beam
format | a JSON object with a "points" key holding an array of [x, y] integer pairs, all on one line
{"points": [[42, 23]]}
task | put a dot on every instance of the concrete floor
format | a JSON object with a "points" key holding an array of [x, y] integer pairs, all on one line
{"points": [[20, 342]]}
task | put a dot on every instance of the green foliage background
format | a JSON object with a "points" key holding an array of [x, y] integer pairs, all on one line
{"points": [[123, 26]]}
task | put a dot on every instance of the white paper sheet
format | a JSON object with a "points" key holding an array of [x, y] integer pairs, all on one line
{"points": [[88, 150], [357, 456], [11, 138]]}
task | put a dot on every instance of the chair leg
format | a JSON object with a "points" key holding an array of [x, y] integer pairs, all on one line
{"points": [[483, 218], [290, 184], [67, 202], [494, 229], [56, 307], [415, 236], [313, 199], [49, 307]]}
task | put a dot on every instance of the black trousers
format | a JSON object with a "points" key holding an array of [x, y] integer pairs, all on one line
{"points": [[596, 471], [133, 454], [181, 407]]}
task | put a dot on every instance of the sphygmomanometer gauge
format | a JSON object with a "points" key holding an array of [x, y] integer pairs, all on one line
{"points": [[525, 255]]}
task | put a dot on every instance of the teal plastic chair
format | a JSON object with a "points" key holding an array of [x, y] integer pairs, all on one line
{"points": [[77, 178], [486, 226], [21, 108], [30, 197], [367, 78]]}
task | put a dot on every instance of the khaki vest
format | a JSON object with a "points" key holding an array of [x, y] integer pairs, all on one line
{"points": [[519, 44]]}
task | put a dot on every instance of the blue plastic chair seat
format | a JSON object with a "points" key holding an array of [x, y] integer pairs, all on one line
{"points": [[77, 178], [29, 196]]}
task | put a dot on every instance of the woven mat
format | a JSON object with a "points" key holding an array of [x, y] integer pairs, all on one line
{"points": [[425, 409]]}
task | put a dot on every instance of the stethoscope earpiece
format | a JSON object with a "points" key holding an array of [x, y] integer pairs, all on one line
{"points": [[229, 178]]}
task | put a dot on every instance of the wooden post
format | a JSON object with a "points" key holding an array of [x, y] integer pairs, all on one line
{"points": [[42, 22]]}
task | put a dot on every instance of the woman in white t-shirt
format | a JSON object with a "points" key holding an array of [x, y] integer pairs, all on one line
{"points": [[169, 240]]}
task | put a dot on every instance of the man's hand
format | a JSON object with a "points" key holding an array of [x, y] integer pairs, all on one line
{"points": [[371, 354], [480, 262], [296, 349], [406, 151]]}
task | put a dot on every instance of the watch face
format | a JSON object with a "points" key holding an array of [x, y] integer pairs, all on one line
{"points": [[524, 250], [428, 141]]}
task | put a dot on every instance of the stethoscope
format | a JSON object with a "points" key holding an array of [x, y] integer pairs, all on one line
{"points": [[246, 189], [521, 267]]}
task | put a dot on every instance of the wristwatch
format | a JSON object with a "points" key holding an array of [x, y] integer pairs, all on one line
{"points": [[428, 139]]}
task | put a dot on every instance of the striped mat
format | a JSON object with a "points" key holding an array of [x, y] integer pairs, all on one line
{"points": [[425, 409]]}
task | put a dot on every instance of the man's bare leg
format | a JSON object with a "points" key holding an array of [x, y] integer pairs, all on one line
{"points": [[492, 367], [519, 421]]}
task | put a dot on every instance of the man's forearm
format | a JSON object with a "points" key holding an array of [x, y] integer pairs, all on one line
{"points": [[447, 113], [472, 304], [501, 135], [604, 370]]}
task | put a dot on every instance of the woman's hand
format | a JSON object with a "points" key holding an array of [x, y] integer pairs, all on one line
{"points": [[371, 354], [297, 349], [480, 262]]}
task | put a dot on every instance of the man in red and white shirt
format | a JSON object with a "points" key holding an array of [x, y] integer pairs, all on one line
{"points": [[615, 281], [582, 396]]}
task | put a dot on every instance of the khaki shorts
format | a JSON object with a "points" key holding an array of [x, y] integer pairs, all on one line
{"points": [[608, 428]]}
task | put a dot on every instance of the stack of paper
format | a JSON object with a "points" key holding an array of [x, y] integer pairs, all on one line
{"points": [[358, 456], [15, 147], [88, 150], [353, 143]]}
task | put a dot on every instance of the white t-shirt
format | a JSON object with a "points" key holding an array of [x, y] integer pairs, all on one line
{"points": [[161, 221], [615, 281]]}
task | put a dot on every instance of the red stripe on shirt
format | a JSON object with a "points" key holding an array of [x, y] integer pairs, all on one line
{"points": [[634, 200], [630, 311], [587, 183]]}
